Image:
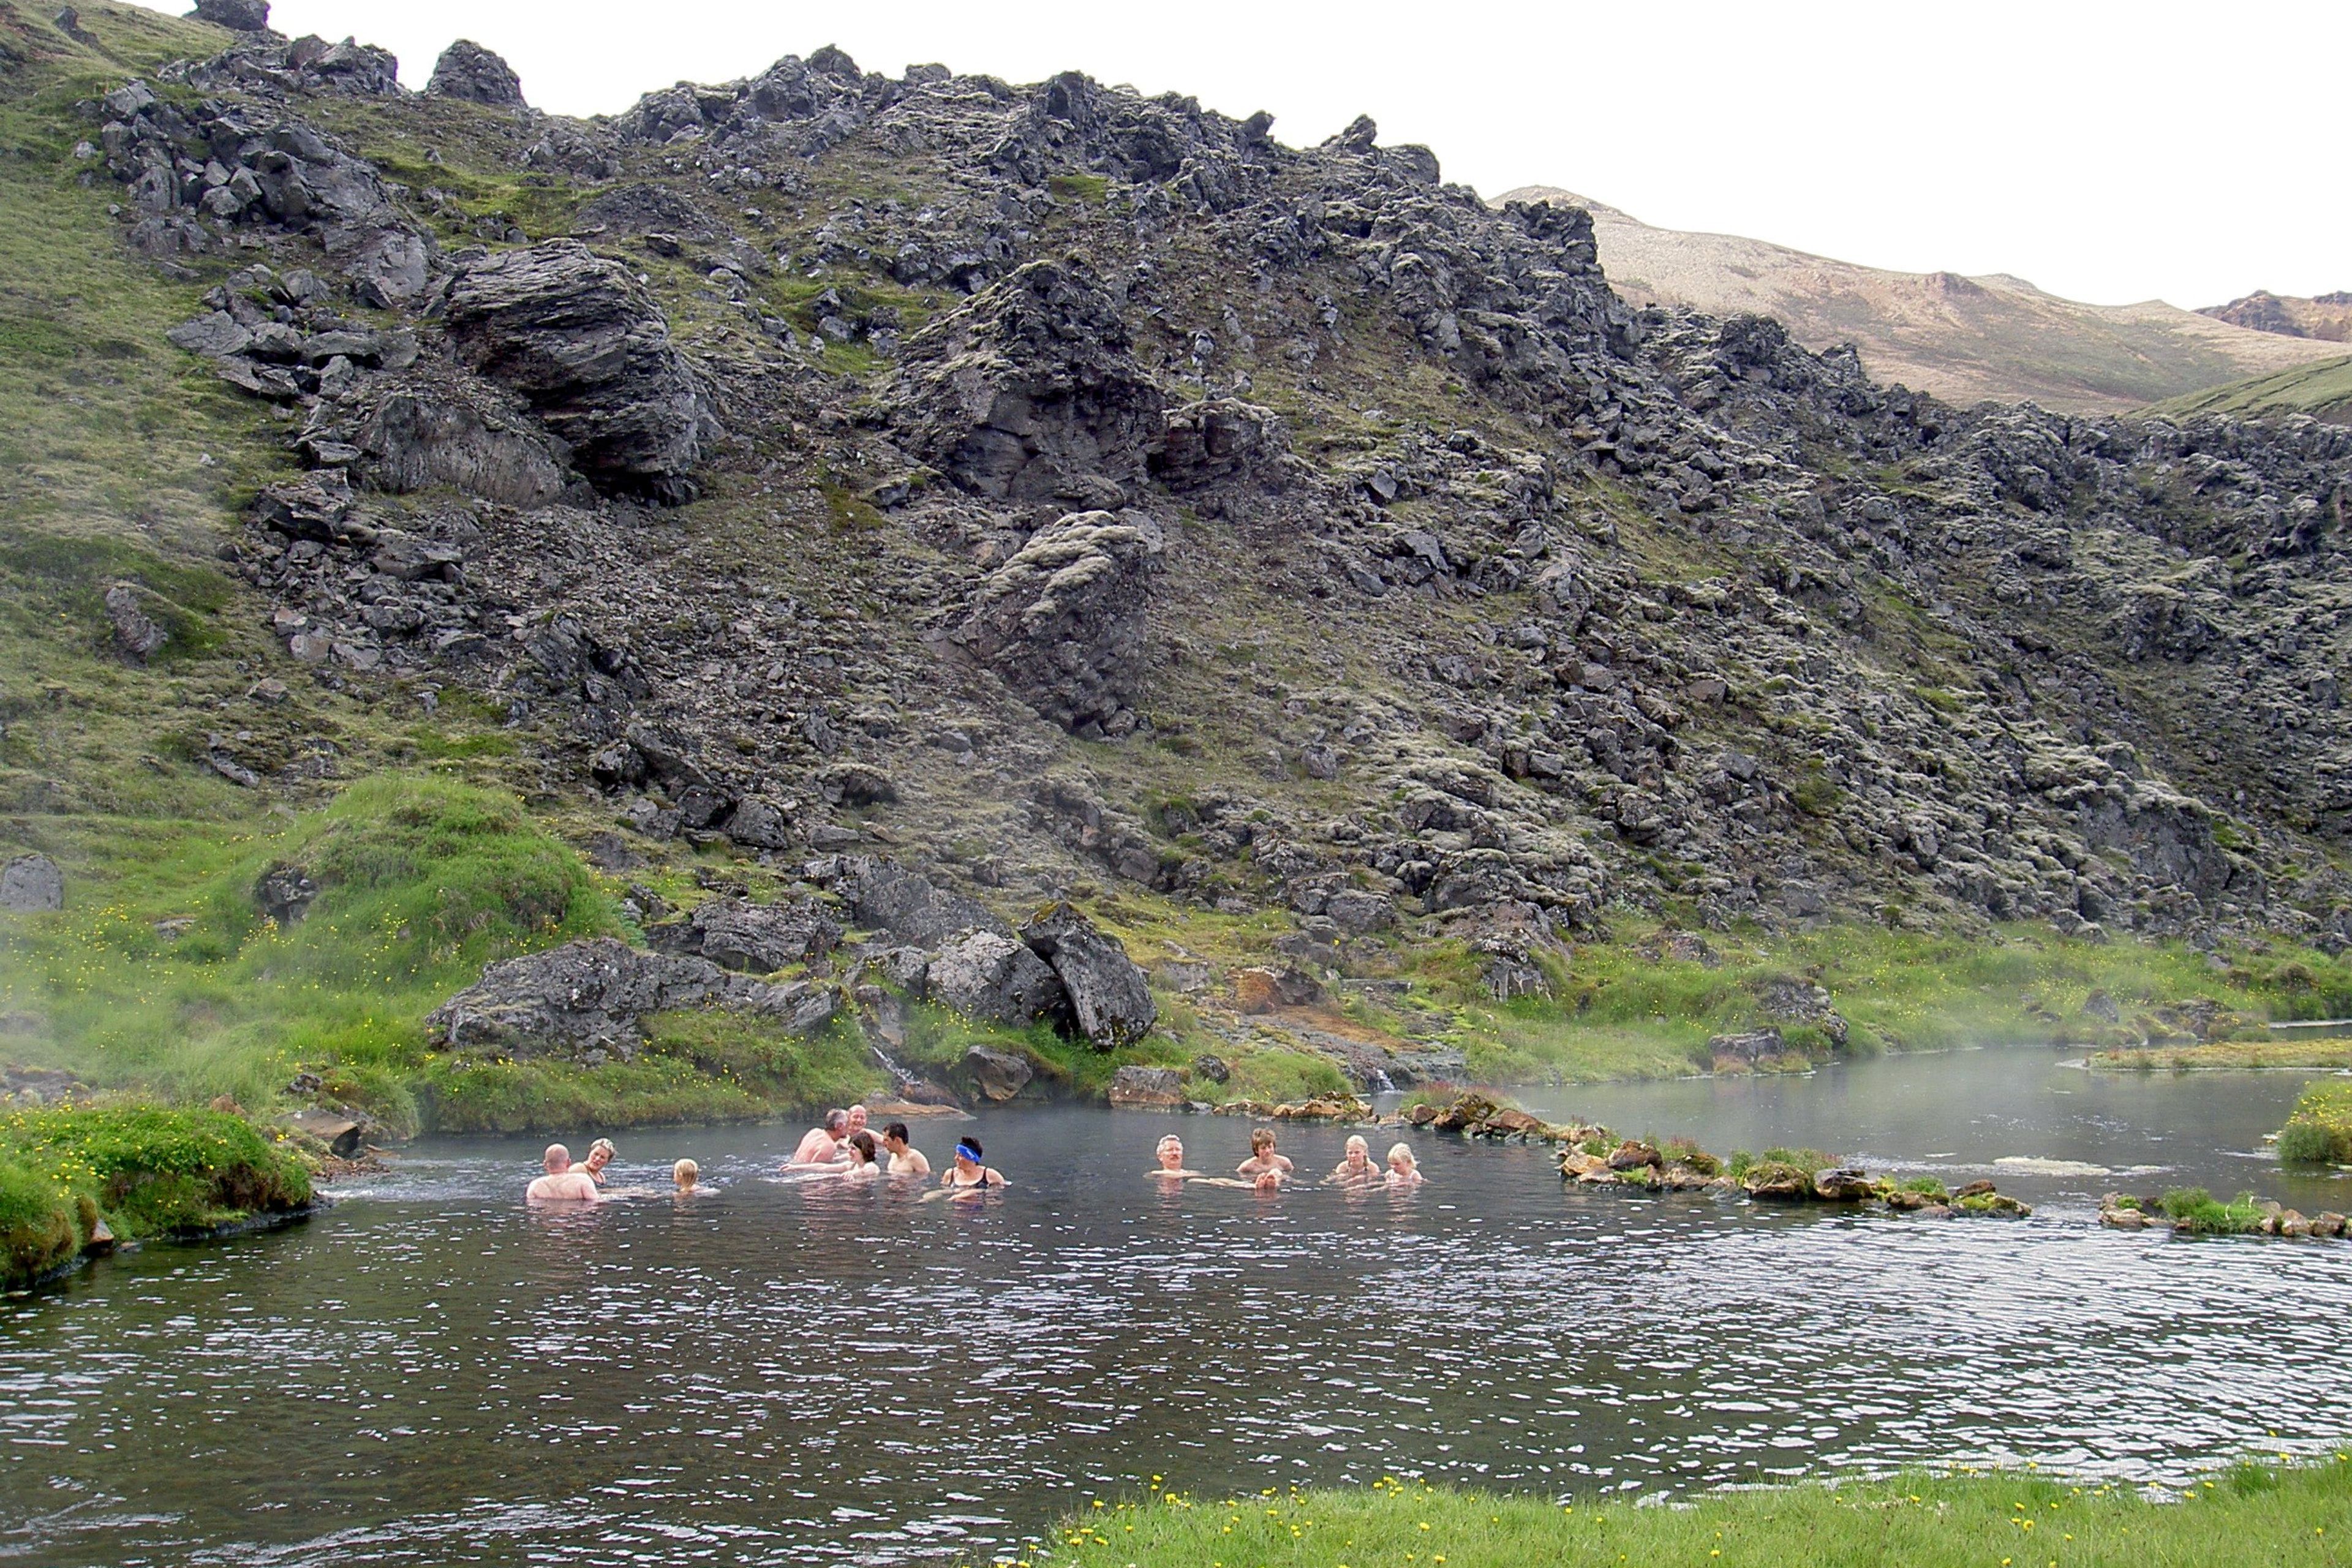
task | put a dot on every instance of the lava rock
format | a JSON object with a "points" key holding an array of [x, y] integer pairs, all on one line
{"points": [[989, 976], [889, 897], [237, 16], [1110, 998], [998, 1074], [590, 352], [758, 938], [471, 73], [1156, 1089], [284, 894], [135, 632], [1030, 386], [582, 998], [1062, 622]]}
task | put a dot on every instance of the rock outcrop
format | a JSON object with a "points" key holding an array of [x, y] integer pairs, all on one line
{"points": [[1526, 605], [590, 352], [986, 975], [471, 73], [1110, 999], [586, 1001], [1030, 392], [237, 16], [1062, 623], [758, 938]]}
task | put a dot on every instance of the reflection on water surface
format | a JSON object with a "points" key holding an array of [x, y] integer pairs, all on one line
{"points": [[770, 1374]]}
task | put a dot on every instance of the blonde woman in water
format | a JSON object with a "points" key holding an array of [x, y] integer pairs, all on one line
{"points": [[1357, 1167]]}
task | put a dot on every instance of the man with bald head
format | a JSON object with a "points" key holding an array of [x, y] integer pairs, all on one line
{"points": [[562, 1185]]}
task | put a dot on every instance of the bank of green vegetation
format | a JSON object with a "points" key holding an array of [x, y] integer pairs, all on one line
{"points": [[2320, 1130], [164, 976], [70, 1176], [172, 977], [1648, 1002], [2284, 1516]]}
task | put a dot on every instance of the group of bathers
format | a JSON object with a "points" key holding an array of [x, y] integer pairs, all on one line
{"points": [[840, 1148], [1266, 1170]]}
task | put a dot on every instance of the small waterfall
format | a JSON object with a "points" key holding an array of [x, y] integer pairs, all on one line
{"points": [[882, 1059], [1378, 1082]]}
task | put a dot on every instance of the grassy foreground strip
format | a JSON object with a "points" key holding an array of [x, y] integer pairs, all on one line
{"points": [[142, 1170], [2288, 1516]]}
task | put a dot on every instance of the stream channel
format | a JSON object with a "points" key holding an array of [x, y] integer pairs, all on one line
{"points": [[429, 1374]]}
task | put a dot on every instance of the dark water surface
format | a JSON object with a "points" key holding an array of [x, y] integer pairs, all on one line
{"points": [[431, 1374]]}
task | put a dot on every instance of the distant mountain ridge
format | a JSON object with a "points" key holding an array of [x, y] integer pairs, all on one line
{"points": [[2325, 317], [1966, 340]]}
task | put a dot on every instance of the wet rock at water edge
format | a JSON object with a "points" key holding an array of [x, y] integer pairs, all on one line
{"points": [[31, 884], [1160, 1089], [997, 1075], [1844, 1184]]}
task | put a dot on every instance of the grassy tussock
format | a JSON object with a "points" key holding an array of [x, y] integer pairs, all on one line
{"points": [[2320, 1130], [2289, 1517], [145, 1170]]}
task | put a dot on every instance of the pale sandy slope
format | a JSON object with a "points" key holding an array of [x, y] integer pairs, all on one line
{"points": [[1964, 338]]}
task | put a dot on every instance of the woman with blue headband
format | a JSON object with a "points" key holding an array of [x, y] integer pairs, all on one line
{"points": [[967, 1175]]}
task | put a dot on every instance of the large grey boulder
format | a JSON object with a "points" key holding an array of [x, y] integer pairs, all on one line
{"points": [[436, 425], [889, 897], [586, 347], [470, 71], [758, 938], [1062, 622], [1110, 999], [998, 1074], [1030, 391], [582, 995], [237, 16], [586, 1001], [1153, 1088], [31, 884], [987, 975]]}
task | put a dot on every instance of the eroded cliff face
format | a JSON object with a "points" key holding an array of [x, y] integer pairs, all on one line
{"points": [[1061, 485]]}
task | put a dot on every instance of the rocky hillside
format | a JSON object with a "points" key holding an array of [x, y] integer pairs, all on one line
{"points": [[896, 504], [1963, 338], [2327, 318]]}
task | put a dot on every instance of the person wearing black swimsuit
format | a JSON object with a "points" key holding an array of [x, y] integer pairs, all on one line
{"points": [[967, 1174]]}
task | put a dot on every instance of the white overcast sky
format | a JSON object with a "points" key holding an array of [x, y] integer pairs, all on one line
{"points": [[2106, 151]]}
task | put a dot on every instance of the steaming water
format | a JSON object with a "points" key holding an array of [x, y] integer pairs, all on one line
{"points": [[431, 1374]]}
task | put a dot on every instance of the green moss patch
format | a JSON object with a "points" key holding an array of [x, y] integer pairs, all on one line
{"points": [[144, 1170]]}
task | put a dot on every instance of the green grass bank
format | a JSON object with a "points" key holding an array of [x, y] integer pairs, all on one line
{"points": [[2283, 1516], [141, 1171], [2320, 1130]]}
